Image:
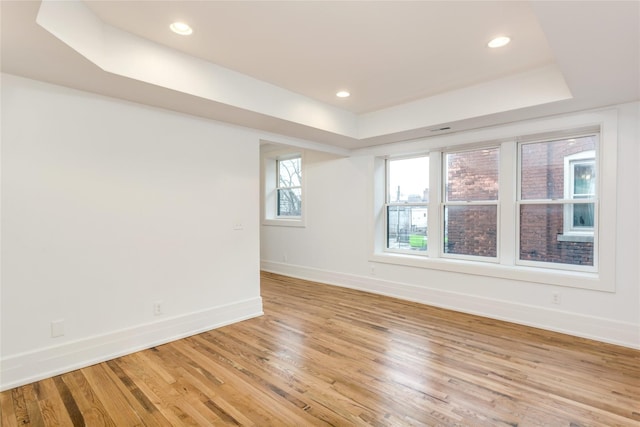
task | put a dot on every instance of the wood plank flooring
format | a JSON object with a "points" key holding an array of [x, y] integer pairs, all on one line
{"points": [[324, 355]]}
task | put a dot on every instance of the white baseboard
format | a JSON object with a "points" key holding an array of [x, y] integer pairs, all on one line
{"points": [[35, 365], [595, 328]]}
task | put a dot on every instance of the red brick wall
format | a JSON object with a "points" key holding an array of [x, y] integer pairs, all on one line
{"points": [[539, 230], [472, 176], [471, 230]]}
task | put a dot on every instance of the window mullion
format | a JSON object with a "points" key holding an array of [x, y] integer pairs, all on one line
{"points": [[434, 221], [507, 211], [472, 203], [557, 201]]}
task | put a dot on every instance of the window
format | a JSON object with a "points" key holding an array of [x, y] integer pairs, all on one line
{"points": [[283, 187], [580, 183], [538, 204], [407, 197], [289, 187], [557, 203], [471, 203]]}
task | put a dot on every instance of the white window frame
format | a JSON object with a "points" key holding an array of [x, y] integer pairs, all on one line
{"points": [[567, 203], [508, 136], [279, 188], [444, 203], [388, 203], [270, 187]]}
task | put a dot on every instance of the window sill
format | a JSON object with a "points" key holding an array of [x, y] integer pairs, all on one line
{"points": [[298, 222], [581, 238], [575, 279]]}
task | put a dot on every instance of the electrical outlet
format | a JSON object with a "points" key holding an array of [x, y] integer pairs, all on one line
{"points": [[372, 269], [157, 308], [284, 257], [555, 298], [57, 328]]}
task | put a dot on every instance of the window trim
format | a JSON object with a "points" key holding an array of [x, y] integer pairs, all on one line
{"points": [[604, 120]]}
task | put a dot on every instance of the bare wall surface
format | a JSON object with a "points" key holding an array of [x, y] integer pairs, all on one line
{"points": [[123, 225]]}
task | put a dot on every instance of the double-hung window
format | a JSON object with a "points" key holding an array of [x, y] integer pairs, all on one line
{"points": [[470, 205], [538, 207], [558, 202], [289, 187], [283, 188], [556, 206], [407, 198]]}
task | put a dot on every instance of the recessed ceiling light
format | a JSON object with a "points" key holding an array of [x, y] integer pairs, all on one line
{"points": [[343, 94], [499, 42], [181, 28]]}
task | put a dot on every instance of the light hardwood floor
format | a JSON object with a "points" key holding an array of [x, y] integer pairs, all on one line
{"points": [[324, 355]]}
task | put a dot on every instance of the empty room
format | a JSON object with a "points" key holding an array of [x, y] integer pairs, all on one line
{"points": [[320, 213]]}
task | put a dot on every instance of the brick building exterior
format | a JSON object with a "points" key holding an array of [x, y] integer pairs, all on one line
{"points": [[543, 233]]}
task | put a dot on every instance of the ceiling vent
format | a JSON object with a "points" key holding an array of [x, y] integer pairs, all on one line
{"points": [[440, 129]]}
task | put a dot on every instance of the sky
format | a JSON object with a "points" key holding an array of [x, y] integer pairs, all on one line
{"points": [[412, 175]]}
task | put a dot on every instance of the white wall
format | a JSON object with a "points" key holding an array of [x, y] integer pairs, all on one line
{"points": [[108, 207], [334, 247]]}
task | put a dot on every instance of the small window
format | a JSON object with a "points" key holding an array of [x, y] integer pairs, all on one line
{"points": [[289, 187], [283, 188], [558, 203], [406, 204], [471, 203]]}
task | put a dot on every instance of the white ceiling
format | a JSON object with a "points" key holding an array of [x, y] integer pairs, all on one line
{"points": [[385, 53], [410, 66]]}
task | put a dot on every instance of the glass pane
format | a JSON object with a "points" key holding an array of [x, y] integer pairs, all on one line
{"points": [[542, 236], [583, 215], [584, 179], [290, 172], [289, 202], [471, 230], [407, 227], [472, 175], [542, 168], [408, 180]]}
